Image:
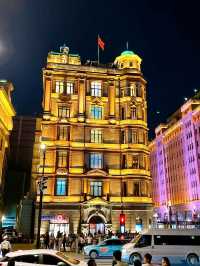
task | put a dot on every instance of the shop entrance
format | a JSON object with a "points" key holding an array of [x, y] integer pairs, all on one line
{"points": [[56, 227], [96, 225]]}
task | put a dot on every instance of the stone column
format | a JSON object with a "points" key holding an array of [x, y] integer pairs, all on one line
{"points": [[111, 95], [81, 100], [47, 95]]}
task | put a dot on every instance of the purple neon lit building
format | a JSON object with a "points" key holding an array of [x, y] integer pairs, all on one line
{"points": [[175, 165]]}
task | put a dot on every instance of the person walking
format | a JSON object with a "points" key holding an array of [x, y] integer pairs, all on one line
{"points": [[117, 256], [165, 262], [147, 260], [91, 262], [5, 246], [46, 240], [51, 241], [64, 241]]}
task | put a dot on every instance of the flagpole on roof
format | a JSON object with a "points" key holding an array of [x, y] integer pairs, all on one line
{"points": [[98, 48]]}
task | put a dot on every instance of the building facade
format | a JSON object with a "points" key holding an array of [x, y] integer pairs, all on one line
{"points": [[175, 166], [6, 124], [94, 127]]}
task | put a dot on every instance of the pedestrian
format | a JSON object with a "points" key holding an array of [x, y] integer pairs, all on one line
{"points": [[46, 240], [91, 262], [64, 241], [51, 241], [5, 246], [165, 262], [117, 256], [89, 239], [137, 263], [147, 260]]}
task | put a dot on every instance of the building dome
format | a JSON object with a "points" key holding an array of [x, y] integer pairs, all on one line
{"points": [[128, 59]]}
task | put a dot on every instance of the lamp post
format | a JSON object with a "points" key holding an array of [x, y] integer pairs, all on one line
{"points": [[41, 185]]}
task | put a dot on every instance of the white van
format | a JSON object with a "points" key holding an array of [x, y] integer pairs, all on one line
{"points": [[179, 245]]}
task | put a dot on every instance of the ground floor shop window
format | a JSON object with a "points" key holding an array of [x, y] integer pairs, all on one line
{"points": [[54, 228]]}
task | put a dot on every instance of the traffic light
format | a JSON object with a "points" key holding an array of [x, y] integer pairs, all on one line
{"points": [[43, 183], [122, 223]]}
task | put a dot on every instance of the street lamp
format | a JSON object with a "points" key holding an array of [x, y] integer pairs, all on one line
{"points": [[42, 186]]}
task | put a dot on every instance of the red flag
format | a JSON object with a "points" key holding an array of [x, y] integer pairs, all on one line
{"points": [[101, 43]]}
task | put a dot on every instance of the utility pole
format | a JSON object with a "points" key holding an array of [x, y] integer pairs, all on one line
{"points": [[42, 186]]}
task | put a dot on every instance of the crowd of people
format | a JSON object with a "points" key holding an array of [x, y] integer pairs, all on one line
{"points": [[72, 242], [118, 262]]}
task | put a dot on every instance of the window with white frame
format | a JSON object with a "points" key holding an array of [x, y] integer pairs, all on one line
{"points": [[63, 112], [96, 135], [96, 160], [96, 88], [69, 87], [59, 87], [96, 112], [96, 188]]}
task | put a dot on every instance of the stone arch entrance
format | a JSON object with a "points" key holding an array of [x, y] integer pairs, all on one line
{"points": [[96, 224]]}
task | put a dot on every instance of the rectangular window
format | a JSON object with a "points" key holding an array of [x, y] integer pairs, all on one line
{"points": [[96, 88], [59, 87], [96, 112], [96, 160], [96, 188], [63, 112], [134, 137], [132, 90], [61, 187], [69, 88], [96, 136], [62, 133], [135, 162], [62, 159], [133, 113]]}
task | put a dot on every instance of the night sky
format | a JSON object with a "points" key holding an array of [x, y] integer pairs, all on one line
{"points": [[164, 33]]}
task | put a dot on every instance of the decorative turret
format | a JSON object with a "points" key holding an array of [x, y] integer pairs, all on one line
{"points": [[128, 59]]}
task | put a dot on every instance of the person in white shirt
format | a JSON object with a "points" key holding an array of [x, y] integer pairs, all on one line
{"points": [[5, 246]]}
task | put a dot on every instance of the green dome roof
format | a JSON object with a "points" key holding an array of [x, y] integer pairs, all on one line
{"points": [[127, 52]]}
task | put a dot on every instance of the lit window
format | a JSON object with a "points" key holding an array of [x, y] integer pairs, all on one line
{"points": [[62, 159], [135, 162], [96, 188], [96, 160], [69, 88], [133, 113], [59, 86], [134, 137], [96, 88], [63, 112], [96, 112], [96, 136], [132, 90], [62, 133], [61, 187]]}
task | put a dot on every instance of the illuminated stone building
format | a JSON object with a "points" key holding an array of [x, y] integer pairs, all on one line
{"points": [[175, 165], [94, 127], [6, 124]]}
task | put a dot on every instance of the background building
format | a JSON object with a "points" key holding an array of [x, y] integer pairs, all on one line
{"points": [[94, 126], [6, 124], [18, 174], [175, 165]]}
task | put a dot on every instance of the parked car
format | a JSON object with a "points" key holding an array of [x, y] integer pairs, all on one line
{"points": [[179, 245], [40, 257], [104, 249]]}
